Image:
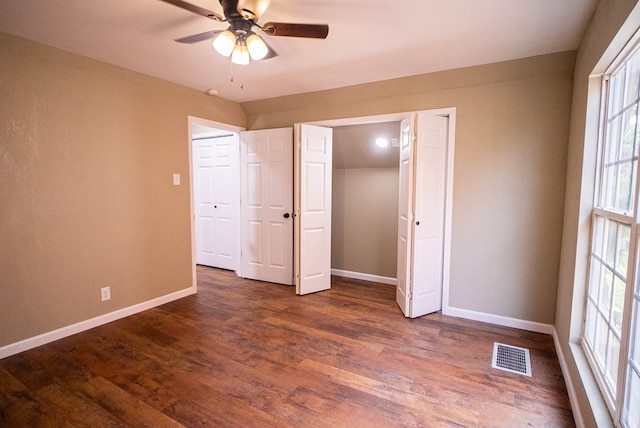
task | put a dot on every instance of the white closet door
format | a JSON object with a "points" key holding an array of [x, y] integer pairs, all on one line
{"points": [[421, 251], [428, 236], [405, 218], [313, 166], [267, 204], [216, 201]]}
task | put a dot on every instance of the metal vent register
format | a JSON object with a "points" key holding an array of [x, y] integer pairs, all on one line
{"points": [[511, 359]]}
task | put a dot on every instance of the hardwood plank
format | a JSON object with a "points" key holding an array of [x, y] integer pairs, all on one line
{"points": [[191, 414], [30, 411], [30, 372], [10, 386], [451, 414], [229, 406], [124, 406], [79, 409], [21, 407]]}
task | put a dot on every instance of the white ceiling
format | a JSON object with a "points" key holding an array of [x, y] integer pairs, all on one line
{"points": [[368, 40]]}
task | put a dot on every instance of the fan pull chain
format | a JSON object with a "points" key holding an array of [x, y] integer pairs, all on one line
{"points": [[241, 75]]}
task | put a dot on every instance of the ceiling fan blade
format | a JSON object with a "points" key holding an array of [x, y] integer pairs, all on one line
{"points": [[314, 31], [196, 9], [199, 37]]}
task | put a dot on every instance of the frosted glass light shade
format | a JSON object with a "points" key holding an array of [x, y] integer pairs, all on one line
{"points": [[224, 43], [257, 47], [240, 55]]}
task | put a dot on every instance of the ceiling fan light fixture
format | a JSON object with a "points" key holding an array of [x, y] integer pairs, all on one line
{"points": [[240, 55], [257, 47], [225, 42], [252, 9]]}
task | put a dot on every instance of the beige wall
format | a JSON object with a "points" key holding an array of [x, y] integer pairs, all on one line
{"points": [[510, 167], [87, 153], [607, 34], [364, 230]]}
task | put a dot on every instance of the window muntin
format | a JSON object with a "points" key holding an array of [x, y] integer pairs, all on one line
{"points": [[620, 162], [605, 300]]}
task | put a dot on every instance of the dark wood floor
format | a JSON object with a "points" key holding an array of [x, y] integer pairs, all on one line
{"points": [[244, 353]]}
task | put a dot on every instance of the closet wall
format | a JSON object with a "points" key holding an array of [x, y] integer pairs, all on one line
{"points": [[365, 200]]}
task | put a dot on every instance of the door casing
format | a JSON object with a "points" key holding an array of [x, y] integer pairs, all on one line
{"points": [[450, 112], [194, 123]]}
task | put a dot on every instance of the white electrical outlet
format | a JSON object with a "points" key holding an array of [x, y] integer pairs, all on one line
{"points": [[105, 293], [176, 179]]}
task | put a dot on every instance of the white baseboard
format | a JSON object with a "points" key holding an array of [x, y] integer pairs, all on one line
{"points": [[457, 312], [499, 320], [364, 276], [42, 339]]}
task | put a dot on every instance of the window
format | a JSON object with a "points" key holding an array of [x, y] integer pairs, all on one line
{"points": [[611, 333]]}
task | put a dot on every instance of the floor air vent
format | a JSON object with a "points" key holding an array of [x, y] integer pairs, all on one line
{"points": [[511, 359]]}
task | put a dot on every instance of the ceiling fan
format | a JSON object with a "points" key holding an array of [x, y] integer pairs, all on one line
{"points": [[239, 40]]}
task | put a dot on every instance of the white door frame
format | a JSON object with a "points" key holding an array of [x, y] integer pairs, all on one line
{"points": [[450, 112], [224, 128]]}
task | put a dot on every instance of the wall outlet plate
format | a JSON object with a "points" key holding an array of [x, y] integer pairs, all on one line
{"points": [[105, 293]]}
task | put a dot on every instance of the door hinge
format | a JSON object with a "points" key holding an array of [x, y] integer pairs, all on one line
{"points": [[410, 295]]}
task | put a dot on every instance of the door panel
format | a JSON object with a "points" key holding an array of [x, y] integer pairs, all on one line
{"points": [[226, 213], [405, 210], [267, 195], [254, 255], [428, 225], [279, 239], [216, 203], [313, 164]]}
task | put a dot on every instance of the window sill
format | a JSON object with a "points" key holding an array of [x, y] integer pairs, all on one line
{"points": [[596, 401]]}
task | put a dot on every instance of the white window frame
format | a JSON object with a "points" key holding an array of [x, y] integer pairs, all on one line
{"points": [[615, 402]]}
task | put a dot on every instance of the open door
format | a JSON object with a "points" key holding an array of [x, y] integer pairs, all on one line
{"points": [[312, 200], [266, 168], [405, 217], [422, 215]]}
